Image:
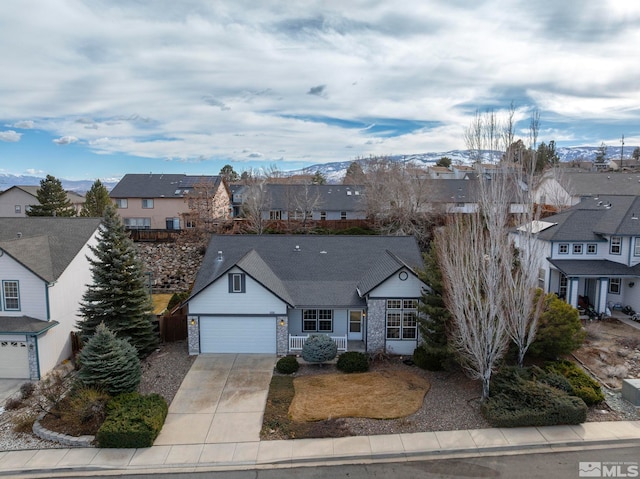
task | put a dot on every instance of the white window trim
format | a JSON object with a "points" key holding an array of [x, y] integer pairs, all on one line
{"points": [[578, 248], [5, 297], [618, 285], [402, 311], [561, 246], [317, 320], [618, 244], [146, 202], [636, 250], [595, 247]]}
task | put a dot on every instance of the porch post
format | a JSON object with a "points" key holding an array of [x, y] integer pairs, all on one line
{"points": [[603, 284], [572, 297]]}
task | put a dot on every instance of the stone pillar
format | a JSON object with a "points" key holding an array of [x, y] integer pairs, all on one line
{"points": [[282, 335], [32, 347], [376, 325], [193, 332]]}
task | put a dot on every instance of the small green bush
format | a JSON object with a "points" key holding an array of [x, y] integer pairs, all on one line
{"points": [[287, 365], [353, 362], [319, 348], [582, 385], [132, 421], [429, 360]]}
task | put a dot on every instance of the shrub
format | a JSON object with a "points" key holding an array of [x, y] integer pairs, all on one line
{"points": [[24, 422], [534, 404], [89, 404], [559, 329], [109, 363], [133, 421], [353, 362], [27, 389], [287, 365], [176, 299], [13, 403], [582, 385], [319, 348], [430, 360]]}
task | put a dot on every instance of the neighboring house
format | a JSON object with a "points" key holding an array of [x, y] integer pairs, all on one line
{"points": [[311, 202], [266, 293], [15, 201], [564, 187], [159, 201], [44, 272], [592, 250], [441, 172]]}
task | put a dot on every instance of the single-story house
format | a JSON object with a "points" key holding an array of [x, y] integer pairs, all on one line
{"points": [[44, 272], [267, 293]]}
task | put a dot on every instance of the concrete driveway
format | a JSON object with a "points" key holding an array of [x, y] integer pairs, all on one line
{"points": [[221, 400]]}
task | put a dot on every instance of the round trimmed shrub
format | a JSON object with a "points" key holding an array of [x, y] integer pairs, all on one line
{"points": [[353, 362], [429, 360], [319, 348], [287, 365]]}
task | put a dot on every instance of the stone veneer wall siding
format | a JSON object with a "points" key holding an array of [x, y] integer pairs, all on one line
{"points": [[376, 325], [32, 348], [282, 336], [193, 335]]}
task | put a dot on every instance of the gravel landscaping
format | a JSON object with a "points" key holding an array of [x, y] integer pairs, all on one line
{"points": [[451, 403]]}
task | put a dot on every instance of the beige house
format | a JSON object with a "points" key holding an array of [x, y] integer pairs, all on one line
{"points": [[15, 201], [171, 202]]}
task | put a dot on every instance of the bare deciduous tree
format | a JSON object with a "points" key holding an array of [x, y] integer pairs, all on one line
{"points": [[255, 202]]}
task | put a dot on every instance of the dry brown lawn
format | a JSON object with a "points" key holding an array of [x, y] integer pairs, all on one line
{"points": [[376, 395]]}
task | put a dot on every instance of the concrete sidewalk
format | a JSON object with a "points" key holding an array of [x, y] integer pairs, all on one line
{"points": [[357, 449]]}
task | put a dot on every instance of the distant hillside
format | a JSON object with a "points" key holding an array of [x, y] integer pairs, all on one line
{"points": [[79, 186], [335, 171]]}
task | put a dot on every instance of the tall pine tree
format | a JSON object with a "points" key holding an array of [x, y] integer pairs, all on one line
{"points": [[118, 296], [433, 318], [95, 201], [52, 199]]}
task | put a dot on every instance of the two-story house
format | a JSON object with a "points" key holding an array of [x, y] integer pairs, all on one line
{"points": [[170, 201], [15, 201], [592, 252], [44, 272]]}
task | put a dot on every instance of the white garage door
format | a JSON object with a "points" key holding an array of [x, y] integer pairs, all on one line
{"points": [[14, 359], [237, 335]]}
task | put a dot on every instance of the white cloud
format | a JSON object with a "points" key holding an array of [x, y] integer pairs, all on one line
{"points": [[199, 80], [23, 125], [65, 140], [10, 136], [33, 172]]}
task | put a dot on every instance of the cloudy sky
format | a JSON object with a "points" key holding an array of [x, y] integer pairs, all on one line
{"points": [[98, 88]]}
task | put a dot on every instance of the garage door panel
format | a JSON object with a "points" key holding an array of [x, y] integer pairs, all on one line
{"points": [[14, 360], [238, 335]]}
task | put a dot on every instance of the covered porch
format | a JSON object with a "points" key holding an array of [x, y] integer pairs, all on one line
{"points": [[604, 286]]}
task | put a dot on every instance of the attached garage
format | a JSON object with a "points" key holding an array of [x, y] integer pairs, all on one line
{"points": [[238, 334], [14, 358]]}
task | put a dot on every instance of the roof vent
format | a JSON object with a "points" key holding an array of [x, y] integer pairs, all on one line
{"points": [[608, 206], [297, 248], [19, 235], [324, 252], [348, 193], [219, 255]]}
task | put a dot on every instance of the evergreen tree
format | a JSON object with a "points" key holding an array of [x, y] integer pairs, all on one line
{"points": [[52, 200], [445, 162], [318, 179], [109, 363], [432, 321], [96, 200], [229, 174], [354, 175], [118, 296]]}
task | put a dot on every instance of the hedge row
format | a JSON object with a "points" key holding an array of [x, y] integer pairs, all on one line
{"points": [[582, 385], [132, 421]]}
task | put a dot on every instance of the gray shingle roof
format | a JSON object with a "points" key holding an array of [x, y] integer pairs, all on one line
{"points": [[583, 183], [46, 245], [592, 218], [329, 197], [160, 185], [596, 268], [310, 270], [24, 325]]}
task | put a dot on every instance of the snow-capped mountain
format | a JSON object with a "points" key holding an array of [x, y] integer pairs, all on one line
{"points": [[335, 171], [79, 186]]}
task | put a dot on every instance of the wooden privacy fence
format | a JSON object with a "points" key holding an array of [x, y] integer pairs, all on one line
{"points": [[173, 328]]}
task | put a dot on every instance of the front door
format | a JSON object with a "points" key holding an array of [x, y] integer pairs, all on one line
{"points": [[355, 325]]}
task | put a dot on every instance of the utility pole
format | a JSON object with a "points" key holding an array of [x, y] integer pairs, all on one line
{"points": [[622, 152]]}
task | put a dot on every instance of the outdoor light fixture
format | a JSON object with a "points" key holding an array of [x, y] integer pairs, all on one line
{"points": [[193, 321], [631, 284], [282, 322]]}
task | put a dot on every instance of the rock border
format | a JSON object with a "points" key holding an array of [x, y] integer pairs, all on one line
{"points": [[64, 439]]}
